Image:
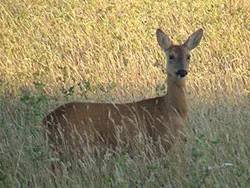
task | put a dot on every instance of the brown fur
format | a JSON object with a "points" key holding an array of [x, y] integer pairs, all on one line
{"points": [[76, 124]]}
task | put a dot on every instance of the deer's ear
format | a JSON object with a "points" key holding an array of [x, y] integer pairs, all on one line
{"points": [[194, 39], [163, 40]]}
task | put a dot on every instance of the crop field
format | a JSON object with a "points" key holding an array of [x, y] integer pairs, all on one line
{"points": [[53, 52]]}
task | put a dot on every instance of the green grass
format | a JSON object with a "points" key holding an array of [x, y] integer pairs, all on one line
{"points": [[54, 52]]}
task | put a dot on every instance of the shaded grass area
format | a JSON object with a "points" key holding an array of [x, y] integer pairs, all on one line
{"points": [[201, 161], [54, 52]]}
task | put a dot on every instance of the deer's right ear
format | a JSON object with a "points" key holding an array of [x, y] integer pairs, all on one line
{"points": [[163, 40], [194, 39]]}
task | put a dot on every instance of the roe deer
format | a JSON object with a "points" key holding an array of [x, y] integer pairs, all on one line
{"points": [[76, 124]]}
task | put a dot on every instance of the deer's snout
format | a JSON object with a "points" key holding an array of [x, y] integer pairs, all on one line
{"points": [[182, 73]]}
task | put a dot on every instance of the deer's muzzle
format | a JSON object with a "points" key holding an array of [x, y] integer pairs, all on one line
{"points": [[182, 73]]}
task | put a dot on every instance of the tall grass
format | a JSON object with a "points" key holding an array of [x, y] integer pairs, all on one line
{"points": [[58, 51]]}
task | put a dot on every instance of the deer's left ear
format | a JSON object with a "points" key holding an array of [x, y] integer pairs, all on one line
{"points": [[163, 40], [194, 39]]}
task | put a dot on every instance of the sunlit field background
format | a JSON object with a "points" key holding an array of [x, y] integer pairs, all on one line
{"points": [[52, 52]]}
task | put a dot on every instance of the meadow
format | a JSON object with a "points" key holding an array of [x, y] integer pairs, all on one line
{"points": [[52, 52]]}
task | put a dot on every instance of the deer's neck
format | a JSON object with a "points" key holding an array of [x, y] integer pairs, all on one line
{"points": [[176, 97]]}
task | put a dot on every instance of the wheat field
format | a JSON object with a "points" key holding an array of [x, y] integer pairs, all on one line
{"points": [[52, 52]]}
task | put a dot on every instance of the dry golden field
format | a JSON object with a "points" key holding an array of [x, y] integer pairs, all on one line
{"points": [[52, 52]]}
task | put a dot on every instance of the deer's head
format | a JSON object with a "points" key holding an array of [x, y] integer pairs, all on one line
{"points": [[178, 56]]}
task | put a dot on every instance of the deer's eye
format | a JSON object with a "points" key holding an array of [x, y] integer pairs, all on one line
{"points": [[188, 57], [171, 57]]}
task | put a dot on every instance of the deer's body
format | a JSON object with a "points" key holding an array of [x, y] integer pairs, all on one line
{"points": [[90, 124]]}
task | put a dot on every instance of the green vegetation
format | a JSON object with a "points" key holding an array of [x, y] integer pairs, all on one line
{"points": [[52, 52]]}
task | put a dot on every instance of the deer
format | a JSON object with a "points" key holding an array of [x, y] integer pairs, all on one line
{"points": [[75, 125]]}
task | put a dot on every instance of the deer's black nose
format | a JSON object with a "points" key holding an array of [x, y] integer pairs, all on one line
{"points": [[182, 73]]}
